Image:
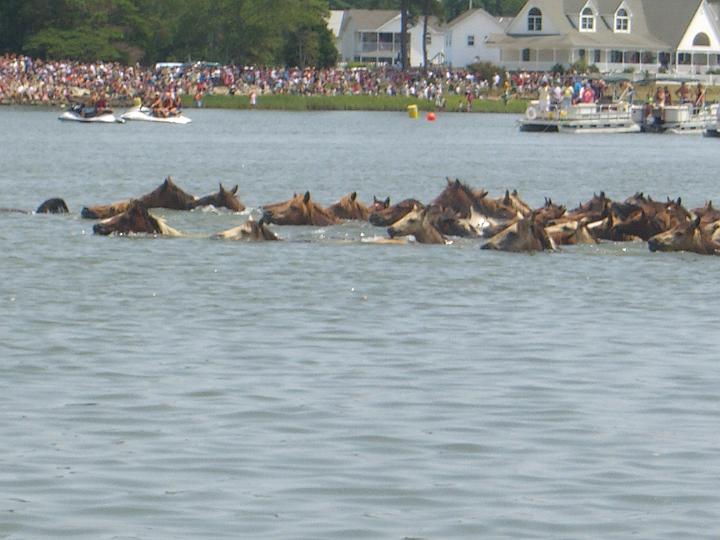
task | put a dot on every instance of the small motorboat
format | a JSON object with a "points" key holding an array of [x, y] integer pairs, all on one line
{"points": [[102, 118], [145, 114]]}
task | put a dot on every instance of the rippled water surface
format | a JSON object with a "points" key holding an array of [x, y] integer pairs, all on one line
{"points": [[323, 388]]}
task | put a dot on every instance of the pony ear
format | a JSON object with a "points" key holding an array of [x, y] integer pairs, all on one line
{"points": [[696, 222], [306, 198], [353, 196], [506, 200], [679, 201], [387, 202], [448, 180], [168, 181], [234, 190]]}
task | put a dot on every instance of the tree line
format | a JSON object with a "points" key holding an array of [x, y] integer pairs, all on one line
{"points": [[269, 32]]}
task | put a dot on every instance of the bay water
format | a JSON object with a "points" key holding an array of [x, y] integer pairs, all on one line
{"points": [[324, 387]]}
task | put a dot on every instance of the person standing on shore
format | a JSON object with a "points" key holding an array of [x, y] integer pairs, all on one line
{"points": [[253, 99]]}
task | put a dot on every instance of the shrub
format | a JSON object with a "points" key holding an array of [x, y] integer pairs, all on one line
{"points": [[486, 70]]}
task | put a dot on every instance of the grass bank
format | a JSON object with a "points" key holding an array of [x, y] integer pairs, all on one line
{"points": [[284, 102]]}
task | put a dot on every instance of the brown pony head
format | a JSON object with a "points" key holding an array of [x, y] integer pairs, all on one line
{"points": [[169, 195], [166, 195], [391, 214], [687, 236], [349, 207], [300, 210], [420, 223], [551, 211], [527, 234], [251, 230], [458, 197], [53, 206], [136, 219], [378, 205], [224, 198], [707, 213], [104, 211]]}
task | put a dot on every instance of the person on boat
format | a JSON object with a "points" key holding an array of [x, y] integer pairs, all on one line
{"points": [[168, 103], [659, 111], [544, 97], [683, 93], [177, 105], [668, 96], [157, 106], [567, 95], [588, 94], [102, 105], [89, 108], [699, 98]]}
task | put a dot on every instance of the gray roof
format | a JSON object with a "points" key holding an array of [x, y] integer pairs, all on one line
{"points": [[670, 18], [369, 19], [656, 24]]}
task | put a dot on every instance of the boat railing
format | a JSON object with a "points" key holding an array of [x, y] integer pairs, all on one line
{"points": [[618, 110]]}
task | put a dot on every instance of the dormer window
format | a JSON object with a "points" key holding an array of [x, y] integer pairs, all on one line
{"points": [[534, 20], [622, 20], [587, 20]]}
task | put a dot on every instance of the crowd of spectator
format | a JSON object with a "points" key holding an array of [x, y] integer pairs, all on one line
{"points": [[25, 80]]}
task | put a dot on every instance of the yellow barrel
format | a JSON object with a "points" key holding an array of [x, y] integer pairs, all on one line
{"points": [[412, 111]]}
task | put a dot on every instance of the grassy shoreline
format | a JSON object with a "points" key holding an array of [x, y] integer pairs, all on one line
{"points": [[285, 102]]}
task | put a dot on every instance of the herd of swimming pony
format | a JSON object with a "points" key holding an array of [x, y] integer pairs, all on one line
{"points": [[505, 223]]}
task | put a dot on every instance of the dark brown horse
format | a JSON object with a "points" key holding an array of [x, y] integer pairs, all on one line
{"points": [[251, 230], [134, 220], [300, 210], [53, 206], [349, 207], [459, 198], [50, 206], [420, 222], [167, 195]]}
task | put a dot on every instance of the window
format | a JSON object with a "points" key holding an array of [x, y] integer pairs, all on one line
{"points": [[471, 41], [534, 20], [616, 57], [526, 55], [596, 56], [701, 40], [622, 20], [581, 54], [684, 58], [587, 20]]}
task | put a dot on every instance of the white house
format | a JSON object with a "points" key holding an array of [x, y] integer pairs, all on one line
{"points": [[466, 38], [373, 36], [681, 36]]}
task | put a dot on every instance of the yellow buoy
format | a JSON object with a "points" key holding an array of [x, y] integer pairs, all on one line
{"points": [[412, 111], [137, 102]]}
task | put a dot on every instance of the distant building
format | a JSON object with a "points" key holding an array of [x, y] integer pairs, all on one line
{"points": [[374, 36], [466, 38], [680, 36]]}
